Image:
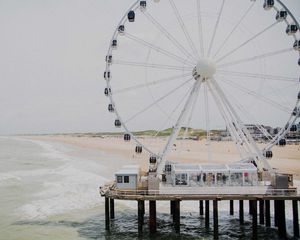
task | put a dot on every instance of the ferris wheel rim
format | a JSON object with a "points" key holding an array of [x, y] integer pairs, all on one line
{"points": [[139, 143]]}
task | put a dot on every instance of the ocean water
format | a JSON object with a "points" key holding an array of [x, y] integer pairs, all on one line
{"points": [[50, 191]]}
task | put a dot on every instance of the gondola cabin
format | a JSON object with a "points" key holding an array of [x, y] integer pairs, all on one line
{"points": [[131, 16], [291, 29], [128, 177]]}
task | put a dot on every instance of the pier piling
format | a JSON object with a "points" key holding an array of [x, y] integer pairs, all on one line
{"points": [[281, 218], [152, 217], [231, 207], [201, 208], [295, 218], [112, 208], [254, 218], [216, 220], [250, 207], [207, 213], [276, 213], [140, 215], [268, 213], [107, 221], [172, 207], [176, 216], [241, 212], [261, 211]]}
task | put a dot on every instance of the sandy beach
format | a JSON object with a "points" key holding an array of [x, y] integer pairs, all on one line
{"points": [[285, 159]]}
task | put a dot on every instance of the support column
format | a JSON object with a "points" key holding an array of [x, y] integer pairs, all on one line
{"points": [[172, 205], [241, 212], [152, 217], [201, 208], [250, 207], [231, 207], [254, 218], [140, 215], [295, 218], [107, 221], [207, 213], [216, 220], [261, 212], [112, 208], [268, 213], [176, 216], [275, 213], [281, 219]]}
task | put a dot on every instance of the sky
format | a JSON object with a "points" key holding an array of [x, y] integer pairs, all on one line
{"points": [[52, 61]]}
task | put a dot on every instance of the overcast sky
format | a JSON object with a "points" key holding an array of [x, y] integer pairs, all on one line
{"points": [[52, 61]]}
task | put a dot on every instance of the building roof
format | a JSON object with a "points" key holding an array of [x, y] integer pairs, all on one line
{"points": [[129, 170]]}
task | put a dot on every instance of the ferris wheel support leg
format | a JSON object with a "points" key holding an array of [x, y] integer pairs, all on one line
{"points": [[178, 125]]}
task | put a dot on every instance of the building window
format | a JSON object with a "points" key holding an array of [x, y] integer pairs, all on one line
{"points": [[126, 179], [119, 179]]}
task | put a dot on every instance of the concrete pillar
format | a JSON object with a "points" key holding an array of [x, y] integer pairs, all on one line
{"points": [[295, 218], [261, 212], [201, 208], [241, 212], [112, 208], [207, 213], [152, 217], [231, 207], [140, 215], [281, 219], [254, 219], [268, 213], [107, 221], [176, 216], [216, 220]]}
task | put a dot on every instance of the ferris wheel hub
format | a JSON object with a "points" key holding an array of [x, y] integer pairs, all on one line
{"points": [[204, 69]]}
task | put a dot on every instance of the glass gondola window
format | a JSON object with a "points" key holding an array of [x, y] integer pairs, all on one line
{"points": [[111, 108], [138, 149], [131, 16], [293, 128], [282, 142], [143, 5], [152, 159], [108, 58], [117, 123], [127, 137]]}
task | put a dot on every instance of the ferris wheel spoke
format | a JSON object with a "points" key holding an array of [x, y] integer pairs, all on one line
{"points": [[184, 29], [158, 49], [169, 36], [169, 116], [246, 42], [259, 76], [157, 101], [215, 29], [153, 83], [200, 29], [150, 65], [234, 29], [257, 57], [257, 96]]}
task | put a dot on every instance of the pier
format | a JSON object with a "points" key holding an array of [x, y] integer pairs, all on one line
{"points": [[259, 209]]}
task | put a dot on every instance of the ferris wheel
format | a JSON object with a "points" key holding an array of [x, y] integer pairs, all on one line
{"points": [[177, 65]]}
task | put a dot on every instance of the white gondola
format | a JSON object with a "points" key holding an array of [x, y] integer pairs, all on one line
{"points": [[296, 45], [138, 149], [114, 44], [108, 59], [296, 111], [291, 29], [107, 75], [117, 123], [282, 142], [152, 160], [107, 91], [121, 29], [268, 4], [127, 137], [268, 154], [143, 5], [293, 128], [131, 16], [281, 15], [111, 108]]}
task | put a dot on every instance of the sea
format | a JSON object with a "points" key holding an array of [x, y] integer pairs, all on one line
{"points": [[50, 190]]}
